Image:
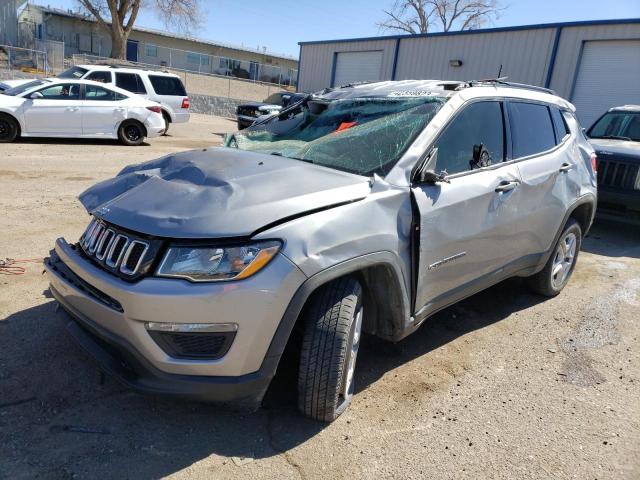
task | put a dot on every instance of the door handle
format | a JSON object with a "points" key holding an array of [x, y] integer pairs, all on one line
{"points": [[566, 167], [507, 186], [72, 109]]}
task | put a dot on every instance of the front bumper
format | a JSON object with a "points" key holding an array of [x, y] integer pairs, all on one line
{"points": [[622, 205], [110, 315]]}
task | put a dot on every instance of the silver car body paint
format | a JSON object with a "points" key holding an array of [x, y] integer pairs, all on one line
{"points": [[328, 219]]}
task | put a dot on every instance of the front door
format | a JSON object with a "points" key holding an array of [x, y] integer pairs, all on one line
{"points": [[132, 50], [467, 226], [57, 112]]}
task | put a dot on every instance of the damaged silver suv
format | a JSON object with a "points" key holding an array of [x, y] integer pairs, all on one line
{"points": [[361, 209]]}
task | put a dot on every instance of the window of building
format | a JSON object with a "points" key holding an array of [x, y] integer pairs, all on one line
{"points": [[478, 125], [531, 129], [150, 50]]}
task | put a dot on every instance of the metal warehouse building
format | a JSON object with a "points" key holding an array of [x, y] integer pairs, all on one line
{"points": [[596, 64]]}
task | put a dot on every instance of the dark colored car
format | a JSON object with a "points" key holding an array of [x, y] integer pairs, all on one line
{"points": [[616, 138], [249, 112]]}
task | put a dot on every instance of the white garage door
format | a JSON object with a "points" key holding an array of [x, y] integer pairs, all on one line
{"points": [[357, 67], [608, 76]]}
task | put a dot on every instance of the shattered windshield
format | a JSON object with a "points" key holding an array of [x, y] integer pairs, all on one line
{"points": [[359, 135]]}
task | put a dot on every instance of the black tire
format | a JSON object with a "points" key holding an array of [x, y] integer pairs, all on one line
{"points": [[167, 122], [131, 133], [332, 331], [550, 281], [9, 128]]}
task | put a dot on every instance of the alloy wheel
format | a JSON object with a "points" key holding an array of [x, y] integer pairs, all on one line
{"points": [[563, 260]]}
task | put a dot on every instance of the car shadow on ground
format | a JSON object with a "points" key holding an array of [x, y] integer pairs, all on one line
{"points": [[59, 416], [613, 239], [73, 141]]}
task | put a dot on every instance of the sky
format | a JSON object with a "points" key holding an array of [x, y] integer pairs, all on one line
{"points": [[279, 25]]}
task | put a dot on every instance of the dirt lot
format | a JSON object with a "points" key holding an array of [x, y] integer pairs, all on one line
{"points": [[504, 385]]}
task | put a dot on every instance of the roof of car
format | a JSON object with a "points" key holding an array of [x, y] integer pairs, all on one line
{"points": [[441, 88], [127, 69]]}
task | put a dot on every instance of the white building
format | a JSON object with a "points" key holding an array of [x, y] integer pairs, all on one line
{"points": [[595, 65]]}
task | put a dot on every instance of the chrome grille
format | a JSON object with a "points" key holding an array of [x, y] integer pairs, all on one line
{"points": [[119, 251]]}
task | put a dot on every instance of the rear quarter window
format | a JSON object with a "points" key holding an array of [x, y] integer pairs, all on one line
{"points": [[531, 129], [560, 125], [167, 85]]}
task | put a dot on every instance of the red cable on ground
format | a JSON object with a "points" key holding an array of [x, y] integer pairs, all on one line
{"points": [[8, 265]]}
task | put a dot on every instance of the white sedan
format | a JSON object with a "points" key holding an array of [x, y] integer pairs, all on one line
{"points": [[77, 109]]}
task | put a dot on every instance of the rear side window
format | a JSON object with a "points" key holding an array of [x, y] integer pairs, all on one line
{"points": [[559, 124], [167, 85], [478, 126], [102, 94], [131, 82], [531, 129], [104, 77]]}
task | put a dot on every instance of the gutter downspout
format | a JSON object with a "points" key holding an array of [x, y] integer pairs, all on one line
{"points": [[552, 60], [395, 59]]}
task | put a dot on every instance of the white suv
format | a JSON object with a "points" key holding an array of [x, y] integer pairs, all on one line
{"points": [[165, 88]]}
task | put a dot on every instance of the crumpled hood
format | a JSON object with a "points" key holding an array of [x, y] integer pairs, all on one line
{"points": [[217, 192], [617, 147]]}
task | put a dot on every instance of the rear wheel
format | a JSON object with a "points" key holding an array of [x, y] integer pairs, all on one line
{"points": [[332, 331], [556, 273], [9, 129], [131, 133]]}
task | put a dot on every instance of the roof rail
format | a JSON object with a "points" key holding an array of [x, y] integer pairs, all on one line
{"points": [[502, 81]]}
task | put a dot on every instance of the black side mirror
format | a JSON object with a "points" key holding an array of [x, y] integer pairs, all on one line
{"points": [[481, 157]]}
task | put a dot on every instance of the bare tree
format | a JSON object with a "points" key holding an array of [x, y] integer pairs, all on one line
{"points": [[420, 16], [118, 17]]}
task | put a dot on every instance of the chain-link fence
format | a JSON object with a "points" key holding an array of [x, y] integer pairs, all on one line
{"points": [[16, 59], [29, 38], [151, 55]]}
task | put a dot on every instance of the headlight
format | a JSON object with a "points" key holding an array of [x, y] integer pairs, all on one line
{"points": [[215, 264]]}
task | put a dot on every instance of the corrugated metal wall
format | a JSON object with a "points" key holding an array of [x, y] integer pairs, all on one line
{"points": [[525, 55], [481, 55], [570, 46], [317, 61]]}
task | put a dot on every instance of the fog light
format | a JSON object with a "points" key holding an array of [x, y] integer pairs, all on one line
{"points": [[193, 341]]}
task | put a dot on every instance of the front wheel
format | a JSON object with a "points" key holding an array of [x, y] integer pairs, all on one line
{"points": [[332, 331], [556, 273], [131, 133], [9, 129]]}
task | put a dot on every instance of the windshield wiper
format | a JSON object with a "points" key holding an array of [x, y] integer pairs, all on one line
{"points": [[278, 154]]}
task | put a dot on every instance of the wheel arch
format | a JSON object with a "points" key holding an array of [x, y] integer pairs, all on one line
{"points": [[132, 120], [16, 118], [386, 299]]}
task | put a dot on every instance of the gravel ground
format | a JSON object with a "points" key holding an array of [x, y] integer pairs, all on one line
{"points": [[503, 385]]}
